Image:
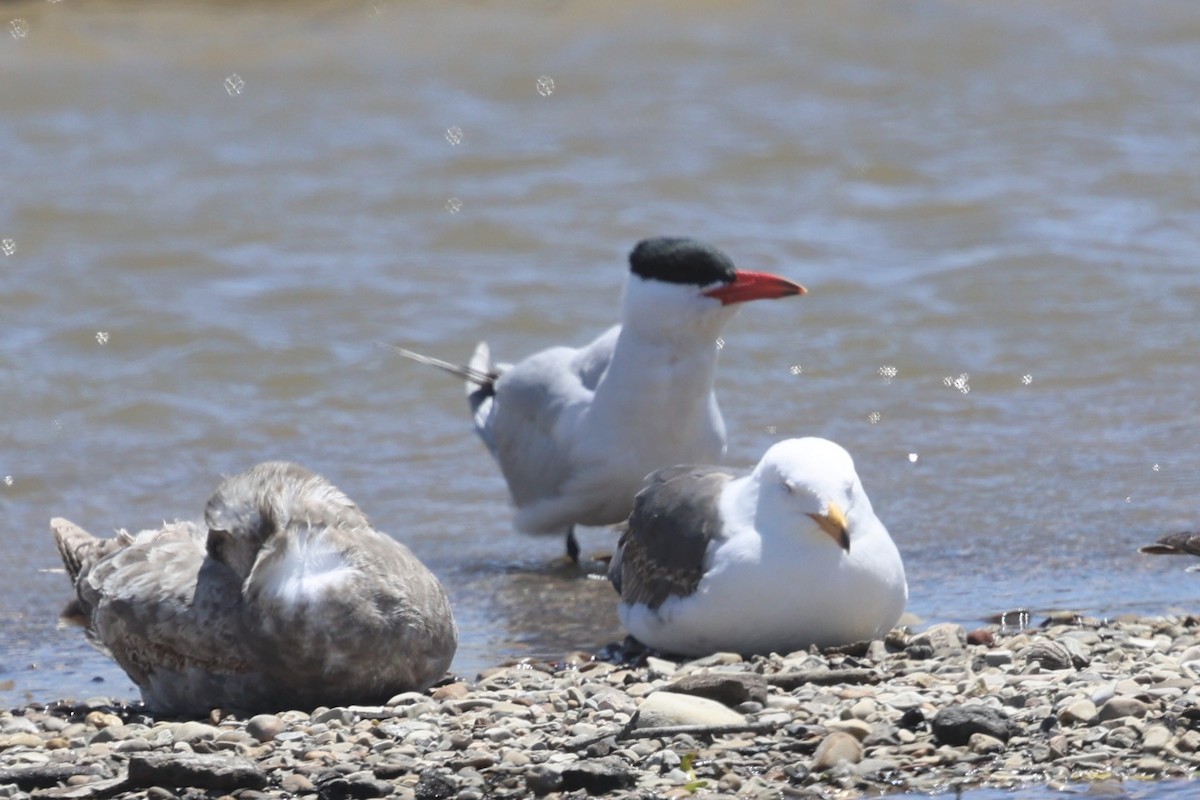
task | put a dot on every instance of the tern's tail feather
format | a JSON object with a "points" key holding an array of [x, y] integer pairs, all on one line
{"points": [[480, 375], [479, 396], [475, 377]]}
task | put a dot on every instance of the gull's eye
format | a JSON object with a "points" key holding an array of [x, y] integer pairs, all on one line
{"points": [[789, 487], [216, 543]]}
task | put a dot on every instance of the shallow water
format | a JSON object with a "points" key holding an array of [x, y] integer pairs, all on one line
{"points": [[210, 214]]}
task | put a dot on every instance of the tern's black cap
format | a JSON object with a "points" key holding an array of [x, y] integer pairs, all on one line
{"points": [[679, 260]]}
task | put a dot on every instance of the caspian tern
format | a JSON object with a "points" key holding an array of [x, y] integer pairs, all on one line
{"points": [[576, 430]]}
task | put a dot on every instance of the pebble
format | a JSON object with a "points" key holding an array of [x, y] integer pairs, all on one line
{"points": [[1068, 700], [1079, 712], [837, 748], [666, 709]]}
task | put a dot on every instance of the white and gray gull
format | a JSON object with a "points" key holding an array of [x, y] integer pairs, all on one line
{"points": [[576, 430], [786, 557], [286, 598]]}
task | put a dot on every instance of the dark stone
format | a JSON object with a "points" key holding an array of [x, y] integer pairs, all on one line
{"points": [[360, 785], [955, 725], [1049, 655], [433, 786], [912, 719], [601, 748], [724, 687], [394, 769], [201, 771], [793, 679], [919, 652], [43, 776], [599, 776], [981, 636], [542, 779]]}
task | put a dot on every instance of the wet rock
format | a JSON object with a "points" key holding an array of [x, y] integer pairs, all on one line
{"points": [[543, 780], [359, 785], [727, 688], [954, 725], [43, 776], [598, 776], [434, 786], [219, 772]]}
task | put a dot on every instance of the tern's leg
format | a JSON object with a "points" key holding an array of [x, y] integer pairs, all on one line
{"points": [[572, 545]]}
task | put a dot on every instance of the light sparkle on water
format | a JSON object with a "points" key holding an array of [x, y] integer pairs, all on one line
{"points": [[454, 205], [961, 382], [8, 480], [454, 135], [545, 85], [8, 246], [912, 458], [1026, 379], [887, 373], [19, 28], [771, 429], [102, 337], [234, 84], [795, 369], [874, 417]]}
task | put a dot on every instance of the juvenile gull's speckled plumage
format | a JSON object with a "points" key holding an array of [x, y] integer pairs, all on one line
{"points": [[285, 598], [788, 556], [575, 430]]}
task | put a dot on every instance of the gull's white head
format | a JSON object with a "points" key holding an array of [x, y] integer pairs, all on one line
{"points": [[809, 486], [677, 285]]}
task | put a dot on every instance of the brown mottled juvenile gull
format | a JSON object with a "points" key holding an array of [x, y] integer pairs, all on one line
{"points": [[789, 556], [287, 597], [1186, 543], [575, 430]]}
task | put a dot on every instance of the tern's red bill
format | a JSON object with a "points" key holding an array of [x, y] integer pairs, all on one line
{"points": [[754, 286]]}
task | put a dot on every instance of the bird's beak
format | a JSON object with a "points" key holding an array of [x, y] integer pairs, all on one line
{"points": [[754, 286], [833, 522]]}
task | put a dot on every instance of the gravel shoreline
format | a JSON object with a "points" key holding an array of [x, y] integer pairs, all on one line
{"points": [[1070, 700]]}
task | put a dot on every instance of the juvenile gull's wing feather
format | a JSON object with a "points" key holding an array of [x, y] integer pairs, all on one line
{"points": [[1175, 544], [158, 603], [662, 550]]}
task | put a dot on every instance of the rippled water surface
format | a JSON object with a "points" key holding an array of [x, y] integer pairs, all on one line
{"points": [[210, 214]]}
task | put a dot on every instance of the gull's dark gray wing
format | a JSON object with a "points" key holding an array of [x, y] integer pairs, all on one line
{"points": [[663, 546]]}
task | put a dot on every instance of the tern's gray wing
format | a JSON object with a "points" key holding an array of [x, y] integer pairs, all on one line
{"points": [[1187, 543], [662, 550], [532, 419]]}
